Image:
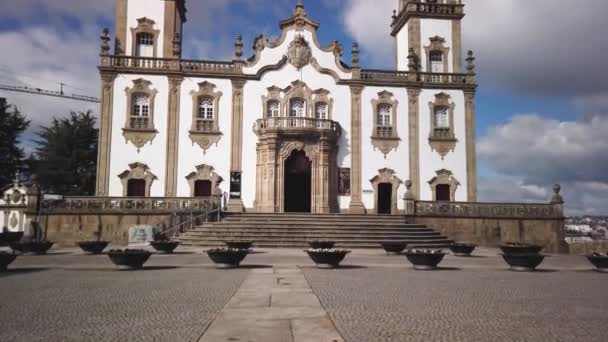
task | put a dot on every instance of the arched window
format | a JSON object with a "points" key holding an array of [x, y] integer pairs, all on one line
{"points": [[205, 108], [140, 112], [272, 109], [441, 118], [321, 110], [436, 59], [297, 106], [145, 44], [384, 115]]}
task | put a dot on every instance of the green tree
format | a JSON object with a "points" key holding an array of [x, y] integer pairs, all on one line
{"points": [[12, 125], [65, 160]]}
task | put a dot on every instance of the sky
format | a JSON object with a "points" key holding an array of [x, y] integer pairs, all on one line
{"points": [[542, 104]]}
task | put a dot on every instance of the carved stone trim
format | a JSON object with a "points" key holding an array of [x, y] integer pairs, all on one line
{"points": [[471, 146], [144, 25], [170, 29], [140, 135], [274, 94], [321, 96], [325, 71], [414, 36], [442, 141], [298, 52], [205, 132], [137, 171], [389, 139], [413, 95], [120, 44], [437, 44], [356, 204], [172, 135], [205, 172], [444, 177], [105, 133], [297, 89], [457, 45], [236, 150], [386, 176]]}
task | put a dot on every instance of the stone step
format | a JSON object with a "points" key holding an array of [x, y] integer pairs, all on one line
{"points": [[256, 237], [197, 234], [328, 230], [369, 225], [301, 244]]}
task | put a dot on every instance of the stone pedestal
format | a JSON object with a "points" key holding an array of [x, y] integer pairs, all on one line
{"points": [[235, 206]]}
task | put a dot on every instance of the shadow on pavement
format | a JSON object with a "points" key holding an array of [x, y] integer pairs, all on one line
{"points": [[15, 271]]}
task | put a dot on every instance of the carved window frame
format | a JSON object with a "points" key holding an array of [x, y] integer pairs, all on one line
{"points": [[442, 140], [137, 171], [321, 96], [385, 142], [205, 172], [139, 136], [437, 44], [144, 25], [274, 94], [205, 138], [297, 89], [444, 177], [387, 176]]}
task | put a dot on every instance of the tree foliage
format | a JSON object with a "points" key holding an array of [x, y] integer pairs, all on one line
{"points": [[12, 126], [65, 159]]}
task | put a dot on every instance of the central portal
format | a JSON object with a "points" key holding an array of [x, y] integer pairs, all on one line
{"points": [[298, 179]]}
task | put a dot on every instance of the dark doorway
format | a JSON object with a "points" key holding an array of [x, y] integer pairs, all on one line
{"points": [[442, 192], [297, 183], [136, 188], [202, 188], [385, 198]]}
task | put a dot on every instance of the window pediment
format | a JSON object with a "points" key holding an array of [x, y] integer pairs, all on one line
{"points": [[205, 130], [139, 126], [384, 132]]}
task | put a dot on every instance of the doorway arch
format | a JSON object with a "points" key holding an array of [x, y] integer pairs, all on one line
{"points": [[298, 183]]}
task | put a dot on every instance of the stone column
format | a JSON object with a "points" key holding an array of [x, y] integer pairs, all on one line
{"points": [[323, 177], [469, 97], [272, 178], [105, 133], [414, 139], [172, 135], [236, 142], [356, 203]]}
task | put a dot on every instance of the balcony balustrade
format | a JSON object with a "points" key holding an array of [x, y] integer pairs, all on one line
{"points": [[297, 125]]}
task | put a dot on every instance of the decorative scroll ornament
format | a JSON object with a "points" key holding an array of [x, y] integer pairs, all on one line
{"points": [[299, 53]]}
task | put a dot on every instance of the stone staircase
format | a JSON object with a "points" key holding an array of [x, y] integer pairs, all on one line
{"points": [[295, 230]]}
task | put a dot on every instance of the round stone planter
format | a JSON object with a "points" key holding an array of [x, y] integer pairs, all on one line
{"points": [[129, 259], [93, 247], [239, 244], [462, 249], [6, 259], [319, 244], [166, 247], [520, 248], [424, 261], [227, 258], [523, 262], [393, 247], [35, 247], [599, 261], [327, 258], [7, 238]]}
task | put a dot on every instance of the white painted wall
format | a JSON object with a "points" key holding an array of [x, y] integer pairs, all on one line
{"points": [[154, 10], [374, 160], [191, 154], [436, 27], [402, 48], [152, 154], [430, 161]]}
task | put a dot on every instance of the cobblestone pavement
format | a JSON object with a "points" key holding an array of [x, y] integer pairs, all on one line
{"points": [[67, 296]]}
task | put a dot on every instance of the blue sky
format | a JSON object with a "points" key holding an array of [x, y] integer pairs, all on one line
{"points": [[541, 105]]}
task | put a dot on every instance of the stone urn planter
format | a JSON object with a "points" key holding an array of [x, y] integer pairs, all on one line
{"points": [[600, 261], [6, 259], [327, 258], [424, 259], [321, 244], [239, 244], [35, 247], [462, 249], [520, 248], [523, 262], [165, 246], [93, 247], [129, 259], [393, 247], [227, 257]]}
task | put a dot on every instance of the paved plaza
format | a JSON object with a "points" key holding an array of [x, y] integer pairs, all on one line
{"points": [[279, 296]]}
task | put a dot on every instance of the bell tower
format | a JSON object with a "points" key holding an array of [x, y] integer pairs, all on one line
{"points": [[432, 29], [149, 28]]}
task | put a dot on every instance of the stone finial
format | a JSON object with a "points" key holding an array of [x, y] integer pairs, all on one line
{"points": [[238, 47], [408, 190], [470, 62], [105, 42], [412, 59], [394, 14], [557, 198], [355, 54], [177, 45]]}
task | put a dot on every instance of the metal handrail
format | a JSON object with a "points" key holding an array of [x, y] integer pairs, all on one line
{"points": [[174, 230]]}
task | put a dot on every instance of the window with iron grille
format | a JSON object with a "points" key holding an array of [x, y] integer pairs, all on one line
{"points": [[272, 109], [205, 108], [141, 105], [321, 111], [441, 118], [384, 115], [297, 106]]}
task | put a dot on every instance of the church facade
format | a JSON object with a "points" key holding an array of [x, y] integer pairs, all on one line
{"points": [[291, 127]]}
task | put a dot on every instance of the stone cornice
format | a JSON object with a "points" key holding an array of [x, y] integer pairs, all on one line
{"points": [[417, 9]]}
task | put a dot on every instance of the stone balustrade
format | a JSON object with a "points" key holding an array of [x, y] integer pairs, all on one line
{"points": [[130, 205], [486, 210], [122, 62], [296, 125]]}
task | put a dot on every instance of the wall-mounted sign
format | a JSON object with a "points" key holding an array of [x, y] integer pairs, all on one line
{"points": [[368, 191], [235, 185]]}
